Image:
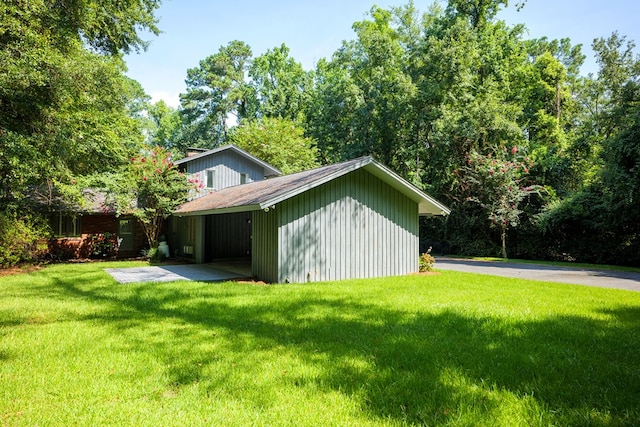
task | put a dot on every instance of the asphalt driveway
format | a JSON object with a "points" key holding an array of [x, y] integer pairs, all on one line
{"points": [[577, 276]]}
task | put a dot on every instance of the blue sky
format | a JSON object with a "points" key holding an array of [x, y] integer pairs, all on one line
{"points": [[313, 29]]}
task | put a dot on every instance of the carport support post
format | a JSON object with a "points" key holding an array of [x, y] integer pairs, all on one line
{"points": [[199, 249]]}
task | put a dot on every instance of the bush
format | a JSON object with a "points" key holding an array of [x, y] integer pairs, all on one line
{"points": [[426, 262], [22, 239], [153, 255], [103, 245]]}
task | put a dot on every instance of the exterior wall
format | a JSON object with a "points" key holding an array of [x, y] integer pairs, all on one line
{"points": [[264, 252], [228, 165], [353, 227], [95, 225]]}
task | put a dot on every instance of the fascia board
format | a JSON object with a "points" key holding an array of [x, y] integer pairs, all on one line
{"points": [[232, 209]]}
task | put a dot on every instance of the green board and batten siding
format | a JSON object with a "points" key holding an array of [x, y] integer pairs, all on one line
{"points": [[355, 226]]}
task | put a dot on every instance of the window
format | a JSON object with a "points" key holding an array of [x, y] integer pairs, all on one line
{"points": [[243, 178], [66, 225], [211, 179]]}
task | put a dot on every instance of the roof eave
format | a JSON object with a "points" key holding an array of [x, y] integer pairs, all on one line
{"points": [[427, 205], [232, 209], [299, 190]]}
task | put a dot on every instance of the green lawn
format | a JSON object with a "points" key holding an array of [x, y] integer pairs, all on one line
{"points": [[452, 349]]}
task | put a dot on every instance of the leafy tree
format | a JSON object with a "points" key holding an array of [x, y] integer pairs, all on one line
{"points": [[216, 91], [279, 142], [362, 101], [498, 183], [150, 188], [280, 83], [64, 99], [165, 126]]}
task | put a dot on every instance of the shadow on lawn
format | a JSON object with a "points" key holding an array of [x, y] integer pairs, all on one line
{"points": [[412, 367]]}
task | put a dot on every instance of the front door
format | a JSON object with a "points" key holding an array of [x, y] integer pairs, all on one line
{"points": [[125, 235]]}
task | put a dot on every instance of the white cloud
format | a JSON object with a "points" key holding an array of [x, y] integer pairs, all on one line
{"points": [[172, 99]]}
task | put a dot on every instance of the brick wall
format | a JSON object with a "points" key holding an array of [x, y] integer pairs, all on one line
{"points": [[95, 225]]}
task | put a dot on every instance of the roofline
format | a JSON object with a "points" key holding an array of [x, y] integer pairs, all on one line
{"points": [[238, 150], [410, 188], [355, 165], [427, 205], [386, 175], [231, 209]]}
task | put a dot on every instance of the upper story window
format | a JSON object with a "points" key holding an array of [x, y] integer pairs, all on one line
{"points": [[211, 179], [243, 178]]}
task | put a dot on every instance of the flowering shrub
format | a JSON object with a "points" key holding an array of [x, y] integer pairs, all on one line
{"points": [[498, 182], [151, 189], [426, 262]]}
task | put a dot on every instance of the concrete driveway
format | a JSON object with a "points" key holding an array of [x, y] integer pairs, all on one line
{"points": [[172, 273], [578, 276]]}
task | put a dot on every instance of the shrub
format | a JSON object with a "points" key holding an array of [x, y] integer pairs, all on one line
{"points": [[103, 245], [22, 239], [426, 262]]}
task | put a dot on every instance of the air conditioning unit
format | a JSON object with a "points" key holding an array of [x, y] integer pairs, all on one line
{"points": [[187, 250]]}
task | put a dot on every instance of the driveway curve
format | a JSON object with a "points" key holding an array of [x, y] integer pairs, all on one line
{"points": [[546, 273]]}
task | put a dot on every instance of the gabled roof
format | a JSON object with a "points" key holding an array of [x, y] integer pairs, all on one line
{"points": [[269, 170], [267, 193]]}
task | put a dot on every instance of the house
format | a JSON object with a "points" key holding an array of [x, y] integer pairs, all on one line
{"points": [[224, 167], [90, 230], [355, 219], [215, 170]]}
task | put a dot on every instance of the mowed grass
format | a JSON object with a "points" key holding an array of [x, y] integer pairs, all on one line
{"points": [[76, 348]]}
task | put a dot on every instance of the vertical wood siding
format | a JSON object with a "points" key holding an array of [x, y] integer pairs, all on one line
{"points": [[353, 227], [264, 252], [228, 165]]}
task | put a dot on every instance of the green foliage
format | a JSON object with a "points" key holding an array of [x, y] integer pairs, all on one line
{"points": [[279, 142], [280, 84], [150, 189], [22, 239], [165, 126], [64, 96], [216, 90], [102, 245], [498, 183]]}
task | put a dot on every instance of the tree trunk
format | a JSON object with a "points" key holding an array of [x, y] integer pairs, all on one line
{"points": [[503, 237]]}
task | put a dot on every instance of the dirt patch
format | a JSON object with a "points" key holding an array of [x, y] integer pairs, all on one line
{"points": [[251, 282], [23, 269], [425, 273]]}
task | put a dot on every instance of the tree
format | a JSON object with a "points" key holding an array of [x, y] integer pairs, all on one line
{"points": [[280, 83], [64, 99], [150, 188], [362, 103], [498, 183], [279, 142], [217, 90], [165, 126]]}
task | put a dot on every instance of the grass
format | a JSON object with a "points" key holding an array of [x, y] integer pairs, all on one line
{"points": [[452, 349]]}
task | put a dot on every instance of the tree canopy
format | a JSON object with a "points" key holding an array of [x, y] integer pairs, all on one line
{"points": [[435, 95]]}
